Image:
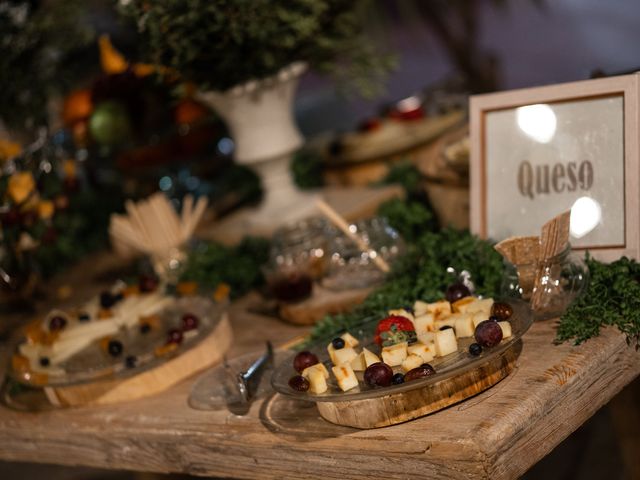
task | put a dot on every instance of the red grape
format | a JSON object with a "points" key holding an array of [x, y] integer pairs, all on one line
{"points": [[422, 371], [299, 383], [304, 360], [501, 310], [488, 333], [189, 322], [378, 374], [456, 291], [174, 336]]}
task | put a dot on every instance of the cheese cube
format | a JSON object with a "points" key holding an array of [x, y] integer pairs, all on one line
{"points": [[440, 310], [420, 308], [395, 354], [426, 352], [317, 381], [402, 313], [427, 338], [411, 362], [464, 326], [506, 329], [445, 342], [341, 355], [424, 323], [349, 340], [462, 305], [318, 366], [363, 360], [345, 377], [446, 322], [479, 317], [479, 305]]}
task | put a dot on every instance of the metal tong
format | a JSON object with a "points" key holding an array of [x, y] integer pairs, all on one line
{"points": [[246, 383]]}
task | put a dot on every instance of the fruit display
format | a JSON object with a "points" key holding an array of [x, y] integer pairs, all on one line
{"points": [[124, 328], [408, 345]]}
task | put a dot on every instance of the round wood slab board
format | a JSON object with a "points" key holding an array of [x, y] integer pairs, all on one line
{"points": [[401, 407], [206, 353]]}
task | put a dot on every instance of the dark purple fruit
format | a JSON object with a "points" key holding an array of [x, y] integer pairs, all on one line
{"points": [[304, 360], [174, 336], [299, 383], [145, 328], [57, 323], [378, 374], [337, 343], [422, 371], [114, 348], [107, 300], [501, 310], [44, 361], [493, 318], [84, 317], [488, 334], [475, 349], [147, 283], [131, 361], [189, 322], [397, 379], [456, 291]]}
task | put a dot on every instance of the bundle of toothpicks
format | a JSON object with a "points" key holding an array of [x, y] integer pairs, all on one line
{"points": [[531, 255], [153, 227]]}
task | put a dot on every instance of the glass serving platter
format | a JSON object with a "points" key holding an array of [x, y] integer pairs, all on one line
{"points": [[446, 367], [94, 363]]}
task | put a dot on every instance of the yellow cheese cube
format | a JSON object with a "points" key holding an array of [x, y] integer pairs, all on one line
{"points": [[506, 329], [345, 377], [440, 309], [420, 308], [317, 381], [464, 325], [446, 322], [349, 340], [402, 313], [427, 338], [424, 323], [463, 304], [426, 352], [446, 342], [341, 355], [479, 317], [318, 366], [411, 362], [395, 354], [481, 305]]}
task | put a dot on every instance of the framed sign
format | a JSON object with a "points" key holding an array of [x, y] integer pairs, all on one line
{"points": [[540, 151]]}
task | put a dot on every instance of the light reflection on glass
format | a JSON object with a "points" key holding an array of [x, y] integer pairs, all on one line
{"points": [[537, 121], [586, 215]]}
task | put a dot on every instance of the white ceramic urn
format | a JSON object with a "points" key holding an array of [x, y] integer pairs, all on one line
{"points": [[259, 115]]}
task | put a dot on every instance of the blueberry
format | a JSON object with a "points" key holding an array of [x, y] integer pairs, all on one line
{"points": [[114, 348], [397, 379], [130, 361], [475, 349], [445, 327], [337, 343], [44, 361], [408, 309], [84, 317], [107, 300], [145, 328], [493, 318]]}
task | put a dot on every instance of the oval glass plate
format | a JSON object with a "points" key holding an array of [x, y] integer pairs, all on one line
{"points": [[93, 363], [446, 367]]}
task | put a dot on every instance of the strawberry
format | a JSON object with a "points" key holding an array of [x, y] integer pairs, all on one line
{"points": [[394, 329]]}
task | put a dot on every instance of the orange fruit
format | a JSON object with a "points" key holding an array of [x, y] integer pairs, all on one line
{"points": [[77, 107]]}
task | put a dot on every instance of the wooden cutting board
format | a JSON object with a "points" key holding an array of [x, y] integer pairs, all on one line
{"points": [[404, 406], [206, 353]]}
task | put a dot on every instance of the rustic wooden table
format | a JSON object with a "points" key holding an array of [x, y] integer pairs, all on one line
{"points": [[498, 434]]}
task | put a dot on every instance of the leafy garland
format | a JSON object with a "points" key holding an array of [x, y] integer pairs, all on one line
{"points": [[612, 299]]}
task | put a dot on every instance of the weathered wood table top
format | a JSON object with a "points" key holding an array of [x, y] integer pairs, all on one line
{"points": [[498, 434]]}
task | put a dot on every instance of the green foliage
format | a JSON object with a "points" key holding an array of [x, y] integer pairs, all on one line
{"points": [[306, 168], [612, 299], [222, 43], [39, 44], [211, 264], [410, 218], [422, 275], [405, 174]]}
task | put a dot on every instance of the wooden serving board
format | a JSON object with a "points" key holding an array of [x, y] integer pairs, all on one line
{"points": [[206, 353], [404, 406]]}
